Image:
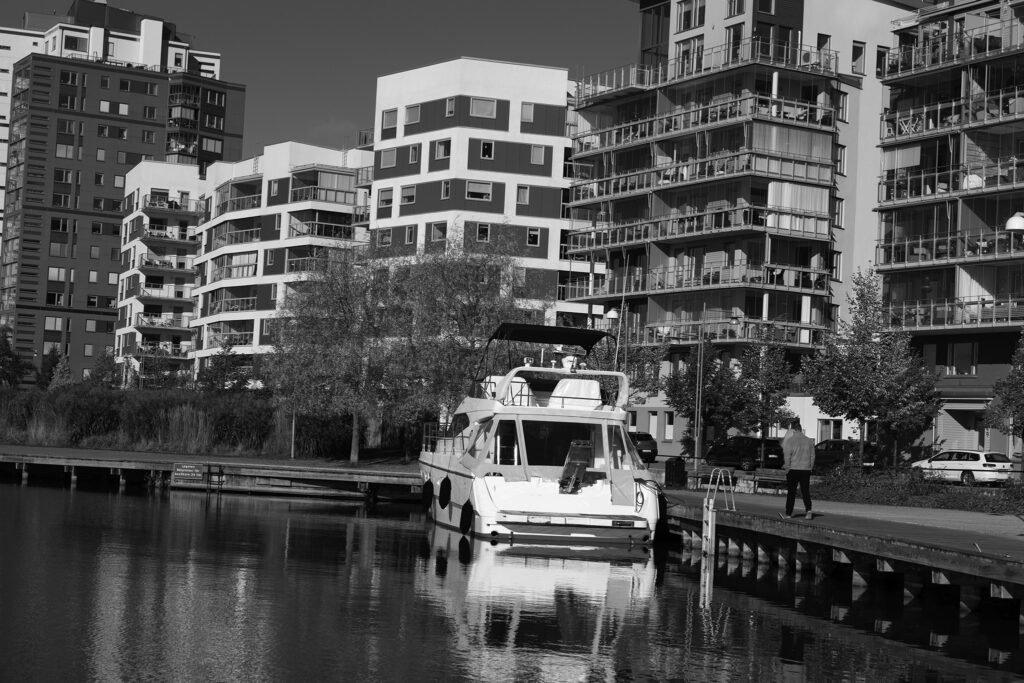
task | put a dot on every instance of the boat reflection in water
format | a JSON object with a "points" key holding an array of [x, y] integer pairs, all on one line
{"points": [[539, 611]]}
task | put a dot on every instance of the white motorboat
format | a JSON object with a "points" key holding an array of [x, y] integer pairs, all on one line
{"points": [[541, 452]]}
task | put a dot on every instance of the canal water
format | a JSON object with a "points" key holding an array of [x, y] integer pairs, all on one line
{"points": [[96, 585]]}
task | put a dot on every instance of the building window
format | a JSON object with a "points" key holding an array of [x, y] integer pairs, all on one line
{"points": [[215, 122], [691, 14], [414, 154], [446, 189], [388, 158], [94, 252], [94, 277], [389, 119], [101, 154], [483, 232], [478, 190], [483, 107], [444, 149], [408, 195], [62, 200], [69, 77], [841, 159], [111, 278], [55, 298], [122, 109], [67, 102], [152, 89], [537, 155], [53, 324], [149, 112], [149, 136], [523, 194], [213, 145], [60, 225], [384, 237], [215, 97], [486, 149], [105, 106], [412, 114], [840, 212], [90, 325], [734, 8], [438, 232], [830, 429], [533, 237], [837, 266], [766, 6], [881, 59], [527, 112], [104, 81], [962, 358], [98, 179], [842, 104], [65, 151], [410, 234], [56, 274], [386, 197], [62, 175], [449, 106], [858, 57]]}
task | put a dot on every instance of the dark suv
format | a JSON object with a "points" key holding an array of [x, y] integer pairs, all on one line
{"points": [[646, 446], [745, 452], [835, 452]]}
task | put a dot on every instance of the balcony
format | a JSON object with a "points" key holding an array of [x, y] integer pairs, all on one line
{"points": [[306, 264], [229, 339], [182, 122], [586, 190], [165, 320], [323, 194], [229, 237], [364, 176], [946, 49], [806, 335], [907, 185], [162, 291], [677, 278], [164, 349], [676, 225], [233, 272], [317, 229], [986, 108], [635, 78], [959, 247], [253, 201], [232, 305], [166, 233], [365, 138], [172, 204], [683, 120], [360, 214], [176, 265], [974, 312]]}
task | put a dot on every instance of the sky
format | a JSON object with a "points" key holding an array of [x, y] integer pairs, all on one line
{"points": [[310, 66]]}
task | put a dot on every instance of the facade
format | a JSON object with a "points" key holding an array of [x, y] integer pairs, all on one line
{"points": [[269, 221], [109, 88], [726, 179], [952, 176], [473, 151]]}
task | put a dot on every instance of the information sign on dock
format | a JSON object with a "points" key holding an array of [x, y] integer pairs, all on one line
{"points": [[187, 472]]}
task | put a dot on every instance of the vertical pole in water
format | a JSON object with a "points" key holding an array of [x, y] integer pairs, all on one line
{"points": [[708, 549], [293, 435]]}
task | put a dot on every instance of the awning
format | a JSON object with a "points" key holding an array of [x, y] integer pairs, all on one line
{"points": [[977, 405]]}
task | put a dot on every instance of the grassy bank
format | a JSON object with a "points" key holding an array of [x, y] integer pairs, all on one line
{"points": [[900, 487], [177, 421]]}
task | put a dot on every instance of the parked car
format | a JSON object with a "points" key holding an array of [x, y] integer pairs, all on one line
{"points": [[646, 446], [966, 466], [834, 452], [745, 452]]}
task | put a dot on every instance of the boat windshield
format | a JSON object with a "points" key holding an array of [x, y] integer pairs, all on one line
{"points": [[548, 444]]}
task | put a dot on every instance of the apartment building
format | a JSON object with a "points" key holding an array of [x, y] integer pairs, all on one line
{"points": [[950, 241], [108, 88], [269, 221], [726, 178], [473, 151]]}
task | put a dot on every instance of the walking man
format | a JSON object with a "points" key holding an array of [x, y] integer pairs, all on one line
{"points": [[798, 451]]}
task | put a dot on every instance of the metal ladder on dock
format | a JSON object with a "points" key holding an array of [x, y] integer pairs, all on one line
{"points": [[721, 478]]}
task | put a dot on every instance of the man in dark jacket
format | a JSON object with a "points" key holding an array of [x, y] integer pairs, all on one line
{"points": [[798, 453]]}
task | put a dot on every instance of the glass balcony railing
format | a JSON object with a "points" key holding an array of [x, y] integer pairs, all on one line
{"points": [[365, 138], [680, 278], [240, 204], [960, 246], [990, 107], [165, 349], [323, 194], [233, 272], [307, 264], [177, 265], [912, 184], [677, 225], [361, 214], [587, 189], [232, 305], [162, 201], [163, 291], [229, 339], [682, 120], [164, 232], [221, 239], [180, 320], [734, 331], [947, 48], [364, 176], [978, 311], [318, 229], [730, 55]]}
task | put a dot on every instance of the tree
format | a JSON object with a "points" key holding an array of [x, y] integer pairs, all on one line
{"points": [[868, 370], [1006, 411], [640, 362], [62, 376], [765, 376], [12, 368], [46, 369], [222, 373], [105, 372]]}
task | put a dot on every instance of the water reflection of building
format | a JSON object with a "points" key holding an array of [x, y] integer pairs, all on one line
{"points": [[546, 611]]}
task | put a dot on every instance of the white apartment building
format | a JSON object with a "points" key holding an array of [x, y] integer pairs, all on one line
{"points": [[472, 151]]}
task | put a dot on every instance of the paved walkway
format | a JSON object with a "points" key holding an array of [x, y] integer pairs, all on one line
{"points": [[973, 533]]}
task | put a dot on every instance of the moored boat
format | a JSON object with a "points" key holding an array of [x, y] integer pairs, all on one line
{"points": [[540, 452]]}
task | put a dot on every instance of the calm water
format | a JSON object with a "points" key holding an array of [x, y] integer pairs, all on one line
{"points": [[185, 587]]}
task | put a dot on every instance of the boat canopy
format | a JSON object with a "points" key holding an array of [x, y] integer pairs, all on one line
{"points": [[548, 334]]}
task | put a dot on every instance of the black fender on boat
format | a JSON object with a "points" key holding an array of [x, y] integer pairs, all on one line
{"points": [[444, 495], [466, 519], [427, 495]]}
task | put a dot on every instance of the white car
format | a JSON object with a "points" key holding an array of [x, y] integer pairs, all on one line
{"points": [[966, 466]]}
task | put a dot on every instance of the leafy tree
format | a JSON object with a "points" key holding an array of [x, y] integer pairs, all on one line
{"points": [[62, 376], [765, 376], [105, 372], [640, 362], [222, 373], [1006, 411], [46, 369], [12, 368], [869, 370]]}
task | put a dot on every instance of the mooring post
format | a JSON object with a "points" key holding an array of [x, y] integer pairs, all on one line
{"points": [[70, 469]]}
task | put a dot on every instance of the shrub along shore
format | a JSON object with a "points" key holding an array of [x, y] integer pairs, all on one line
{"points": [[165, 420]]}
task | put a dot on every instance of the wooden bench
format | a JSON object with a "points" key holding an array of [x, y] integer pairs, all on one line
{"points": [[769, 478]]}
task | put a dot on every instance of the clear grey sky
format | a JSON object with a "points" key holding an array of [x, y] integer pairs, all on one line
{"points": [[310, 66]]}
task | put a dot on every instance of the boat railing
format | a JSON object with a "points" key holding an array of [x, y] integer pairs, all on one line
{"points": [[439, 438]]}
